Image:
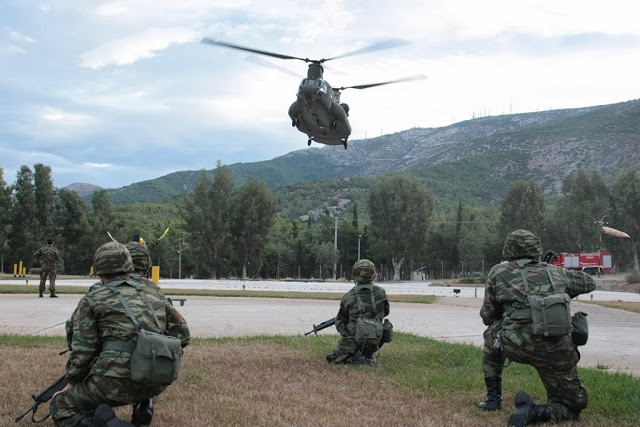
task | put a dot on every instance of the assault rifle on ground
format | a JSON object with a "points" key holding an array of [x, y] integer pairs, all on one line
{"points": [[549, 256], [44, 397], [321, 326]]}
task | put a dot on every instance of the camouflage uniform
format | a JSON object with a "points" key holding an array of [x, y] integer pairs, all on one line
{"points": [[97, 368], [48, 257], [364, 274], [505, 311], [141, 262]]}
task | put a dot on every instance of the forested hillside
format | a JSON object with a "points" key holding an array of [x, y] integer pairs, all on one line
{"points": [[477, 157]]}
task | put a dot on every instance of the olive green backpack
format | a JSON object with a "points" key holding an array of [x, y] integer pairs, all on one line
{"points": [[368, 329], [550, 314]]}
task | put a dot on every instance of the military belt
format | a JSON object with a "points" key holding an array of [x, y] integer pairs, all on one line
{"points": [[520, 313], [119, 345]]}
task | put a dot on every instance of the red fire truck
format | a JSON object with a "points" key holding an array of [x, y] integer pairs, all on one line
{"points": [[587, 262]]}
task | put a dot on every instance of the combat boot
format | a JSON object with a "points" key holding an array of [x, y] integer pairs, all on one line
{"points": [[53, 295], [527, 412], [142, 413], [40, 294], [494, 394], [355, 359], [105, 416]]}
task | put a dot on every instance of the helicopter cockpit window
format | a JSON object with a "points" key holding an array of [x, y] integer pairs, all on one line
{"points": [[315, 83]]}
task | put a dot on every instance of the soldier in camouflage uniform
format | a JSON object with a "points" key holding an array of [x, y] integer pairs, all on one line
{"points": [[510, 335], [48, 257], [347, 351], [101, 336], [141, 261]]}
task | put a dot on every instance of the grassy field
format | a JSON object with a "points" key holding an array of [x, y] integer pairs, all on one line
{"points": [[633, 307], [285, 381]]}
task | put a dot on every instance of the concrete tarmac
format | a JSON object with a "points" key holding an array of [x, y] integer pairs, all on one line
{"points": [[614, 341]]}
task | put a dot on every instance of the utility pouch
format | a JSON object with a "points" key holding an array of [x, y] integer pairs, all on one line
{"points": [[368, 332], [156, 358], [387, 331], [550, 314], [580, 325]]}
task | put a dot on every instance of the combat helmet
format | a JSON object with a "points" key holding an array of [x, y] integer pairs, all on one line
{"points": [[139, 255], [364, 271], [112, 258], [521, 244]]}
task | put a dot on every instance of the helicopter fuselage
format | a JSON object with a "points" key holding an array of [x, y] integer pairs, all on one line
{"points": [[317, 112]]}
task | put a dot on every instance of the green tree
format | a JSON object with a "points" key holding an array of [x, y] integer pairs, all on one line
{"points": [[44, 194], [5, 217], [23, 218], [208, 220], [104, 220], [400, 206], [75, 241], [198, 223], [522, 208], [280, 249], [254, 208], [584, 201], [625, 200]]}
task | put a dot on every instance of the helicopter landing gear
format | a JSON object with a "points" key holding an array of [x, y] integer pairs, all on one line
{"points": [[344, 142], [294, 122], [333, 125], [309, 142]]}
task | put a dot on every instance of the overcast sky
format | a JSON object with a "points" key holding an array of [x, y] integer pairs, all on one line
{"points": [[116, 92]]}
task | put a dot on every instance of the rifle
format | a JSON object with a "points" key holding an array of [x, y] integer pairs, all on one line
{"points": [[549, 256], [44, 397], [321, 326]]}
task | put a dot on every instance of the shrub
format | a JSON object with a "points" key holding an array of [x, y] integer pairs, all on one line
{"points": [[633, 277]]}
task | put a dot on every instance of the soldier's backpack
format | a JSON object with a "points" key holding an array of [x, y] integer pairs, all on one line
{"points": [[155, 361], [369, 330], [550, 314]]}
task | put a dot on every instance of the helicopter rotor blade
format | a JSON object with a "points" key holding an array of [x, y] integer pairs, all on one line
{"points": [[248, 49], [367, 86], [387, 44], [264, 63]]}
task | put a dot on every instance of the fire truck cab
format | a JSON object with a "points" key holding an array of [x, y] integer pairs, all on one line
{"points": [[587, 262]]}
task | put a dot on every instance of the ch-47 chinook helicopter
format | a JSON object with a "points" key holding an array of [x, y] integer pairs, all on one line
{"points": [[317, 111]]}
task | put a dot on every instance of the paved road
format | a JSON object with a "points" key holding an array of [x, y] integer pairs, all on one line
{"points": [[614, 339]]}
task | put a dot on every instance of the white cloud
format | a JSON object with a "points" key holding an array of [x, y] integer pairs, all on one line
{"points": [[12, 49], [130, 49], [15, 36], [98, 165]]}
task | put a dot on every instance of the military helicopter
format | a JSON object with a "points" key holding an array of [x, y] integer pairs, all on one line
{"points": [[317, 110]]}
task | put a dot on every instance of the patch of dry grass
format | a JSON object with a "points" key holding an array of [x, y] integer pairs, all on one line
{"points": [[283, 381]]}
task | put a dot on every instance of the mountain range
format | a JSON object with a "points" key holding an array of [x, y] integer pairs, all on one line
{"points": [[482, 155]]}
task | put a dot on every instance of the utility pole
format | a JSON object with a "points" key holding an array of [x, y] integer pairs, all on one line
{"points": [[180, 259], [359, 236], [335, 245]]}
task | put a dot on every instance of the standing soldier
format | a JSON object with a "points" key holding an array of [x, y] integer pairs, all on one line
{"points": [[364, 300], [508, 310], [48, 257]]}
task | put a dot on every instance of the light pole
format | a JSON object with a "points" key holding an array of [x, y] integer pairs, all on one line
{"points": [[359, 236], [180, 259]]}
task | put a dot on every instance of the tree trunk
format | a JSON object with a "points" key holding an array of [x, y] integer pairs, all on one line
{"points": [[634, 250], [397, 265], [244, 271]]}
